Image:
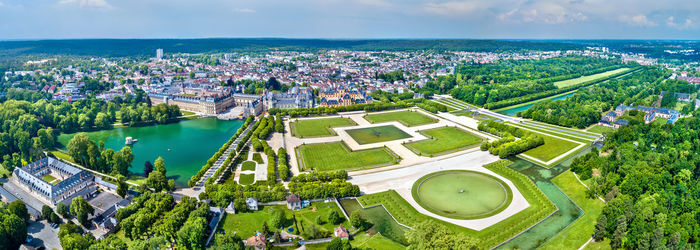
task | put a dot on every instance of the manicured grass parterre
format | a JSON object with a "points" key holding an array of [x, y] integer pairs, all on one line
{"points": [[443, 140], [574, 81], [318, 127], [551, 148], [48, 178], [377, 134], [549, 131], [258, 158], [576, 234], [245, 224], [336, 155], [248, 166], [601, 129], [462, 194], [540, 207], [406, 117], [376, 241], [246, 179]]}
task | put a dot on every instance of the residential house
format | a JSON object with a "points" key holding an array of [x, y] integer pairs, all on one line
{"points": [[252, 204], [257, 242], [341, 232], [293, 202]]}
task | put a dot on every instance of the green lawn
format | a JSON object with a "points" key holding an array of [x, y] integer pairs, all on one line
{"points": [[468, 113], [449, 107], [245, 224], [382, 222], [601, 129], [376, 241], [246, 179], [574, 81], [377, 134], [248, 166], [258, 158], [576, 234], [552, 148], [443, 140], [408, 118], [185, 112], [570, 136], [337, 155], [318, 127], [48, 178], [540, 207]]}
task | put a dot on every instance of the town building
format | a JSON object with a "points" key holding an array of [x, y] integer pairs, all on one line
{"points": [[341, 232], [159, 54], [296, 97], [54, 181], [252, 204], [257, 242], [342, 96], [293, 202]]}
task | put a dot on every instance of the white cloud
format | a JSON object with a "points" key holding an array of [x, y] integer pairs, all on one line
{"points": [[688, 23], [542, 12], [454, 8], [244, 10], [2, 4], [97, 4], [637, 20]]}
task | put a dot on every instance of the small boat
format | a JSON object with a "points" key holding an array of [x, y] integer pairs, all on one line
{"points": [[130, 140]]}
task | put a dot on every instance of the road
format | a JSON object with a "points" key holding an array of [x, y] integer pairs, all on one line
{"points": [[219, 162], [44, 235]]}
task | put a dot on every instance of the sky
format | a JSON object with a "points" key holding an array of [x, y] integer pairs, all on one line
{"points": [[351, 19]]}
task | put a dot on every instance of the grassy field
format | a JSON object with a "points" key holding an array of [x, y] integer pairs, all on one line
{"points": [[248, 165], [245, 224], [552, 148], [408, 118], [185, 112], [449, 107], [601, 129], [258, 158], [376, 241], [318, 127], [468, 113], [337, 155], [382, 222], [570, 136], [48, 178], [574, 81], [246, 179], [540, 207], [443, 140], [377, 134], [576, 234]]}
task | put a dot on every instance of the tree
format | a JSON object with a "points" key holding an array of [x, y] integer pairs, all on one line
{"points": [[277, 219], [192, 233], [77, 148], [62, 210], [430, 235], [339, 244], [80, 208], [620, 232], [276, 237], [20, 209], [658, 240], [13, 230], [357, 221], [675, 241], [46, 212], [265, 229], [160, 166], [147, 168], [228, 241], [333, 217], [122, 187], [599, 233], [157, 181]]}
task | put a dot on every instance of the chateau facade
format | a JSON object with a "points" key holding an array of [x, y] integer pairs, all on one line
{"points": [[342, 96], [69, 181]]}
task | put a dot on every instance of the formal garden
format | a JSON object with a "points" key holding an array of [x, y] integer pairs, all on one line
{"points": [[337, 155], [462, 194], [377, 134], [443, 140], [306, 128], [406, 117]]}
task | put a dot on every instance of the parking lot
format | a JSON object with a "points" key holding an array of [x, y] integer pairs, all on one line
{"points": [[44, 235], [104, 201]]}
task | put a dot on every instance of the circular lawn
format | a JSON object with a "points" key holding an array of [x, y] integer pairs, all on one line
{"points": [[462, 194]]}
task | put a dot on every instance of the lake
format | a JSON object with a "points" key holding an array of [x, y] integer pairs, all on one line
{"points": [[185, 146], [514, 111]]}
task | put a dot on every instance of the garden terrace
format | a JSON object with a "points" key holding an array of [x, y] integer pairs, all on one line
{"points": [[443, 140], [337, 155], [305, 128], [406, 117]]}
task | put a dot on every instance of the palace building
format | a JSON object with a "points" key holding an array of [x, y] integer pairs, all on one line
{"points": [[53, 180], [342, 96]]}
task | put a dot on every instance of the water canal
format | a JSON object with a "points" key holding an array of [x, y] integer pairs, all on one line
{"points": [[513, 111], [568, 211], [185, 146]]}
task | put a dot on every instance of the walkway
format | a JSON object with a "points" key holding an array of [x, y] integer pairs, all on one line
{"points": [[212, 170]]}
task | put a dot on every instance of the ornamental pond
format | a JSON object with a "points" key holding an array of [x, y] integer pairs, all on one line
{"points": [[185, 146]]}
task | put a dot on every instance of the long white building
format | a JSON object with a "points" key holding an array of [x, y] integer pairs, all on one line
{"points": [[65, 181]]}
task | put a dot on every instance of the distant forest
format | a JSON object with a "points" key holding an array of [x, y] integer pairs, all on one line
{"points": [[147, 47]]}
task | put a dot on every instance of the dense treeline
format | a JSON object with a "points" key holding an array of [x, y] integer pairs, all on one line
{"points": [[586, 106], [649, 176], [388, 97], [507, 145], [315, 185], [392, 76], [13, 224], [480, 84], [283, 164], [95, 156], [551, 92]]}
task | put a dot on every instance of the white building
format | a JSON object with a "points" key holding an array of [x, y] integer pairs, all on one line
{"points": [[159, 54]]}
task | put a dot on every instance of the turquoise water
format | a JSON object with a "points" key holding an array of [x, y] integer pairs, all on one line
{"points": [[514, 111], [185, 146]]}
